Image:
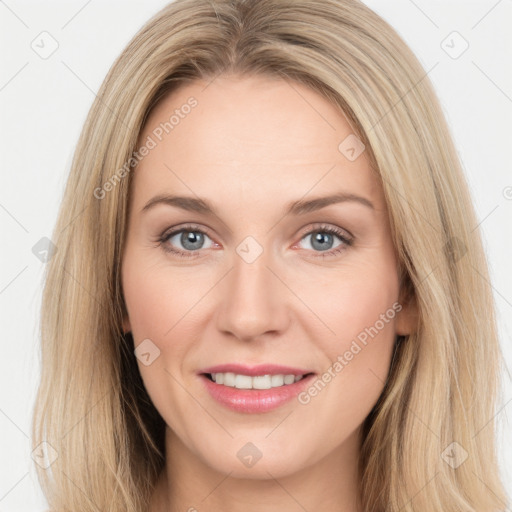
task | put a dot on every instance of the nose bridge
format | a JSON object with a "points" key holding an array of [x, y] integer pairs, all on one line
{"points": [[252, 301]]}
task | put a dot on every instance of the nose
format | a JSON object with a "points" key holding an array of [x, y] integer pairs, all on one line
{"points": [[253, 301]]}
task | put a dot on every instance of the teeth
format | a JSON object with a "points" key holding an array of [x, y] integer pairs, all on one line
{"points": [[259, 382]]}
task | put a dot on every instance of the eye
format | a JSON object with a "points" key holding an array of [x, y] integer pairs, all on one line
{"points": [[322, 239], [191, 239]]}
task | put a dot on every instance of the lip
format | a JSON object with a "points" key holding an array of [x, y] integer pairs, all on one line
{"points": [[254, 401], [253, 371]]}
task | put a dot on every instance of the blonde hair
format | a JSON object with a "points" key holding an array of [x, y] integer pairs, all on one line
{"points": [[443, 385]]}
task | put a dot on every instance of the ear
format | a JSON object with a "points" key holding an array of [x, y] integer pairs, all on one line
{"points": [[126, 325], [406, 321]]}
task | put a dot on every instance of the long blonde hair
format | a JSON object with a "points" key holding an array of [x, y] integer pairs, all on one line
{"points": [[92, 409]]}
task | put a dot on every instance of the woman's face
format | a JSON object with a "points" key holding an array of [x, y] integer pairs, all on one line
{"points": [[257, 286]]}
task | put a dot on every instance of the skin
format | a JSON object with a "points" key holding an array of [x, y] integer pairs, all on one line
{"points": [[251, 146]]}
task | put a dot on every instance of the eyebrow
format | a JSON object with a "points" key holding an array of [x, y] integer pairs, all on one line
{"points": [[300, 207]]}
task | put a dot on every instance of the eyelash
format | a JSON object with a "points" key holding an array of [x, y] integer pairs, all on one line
{"points": [[167, 235]]}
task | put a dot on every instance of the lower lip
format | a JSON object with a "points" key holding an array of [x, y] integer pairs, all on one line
{"points": [[254, 401]]}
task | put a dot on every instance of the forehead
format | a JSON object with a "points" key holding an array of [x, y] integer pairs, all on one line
{"points": [[255, 139]]}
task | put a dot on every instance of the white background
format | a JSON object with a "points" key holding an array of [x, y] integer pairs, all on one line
{"points": [[44, 103]]}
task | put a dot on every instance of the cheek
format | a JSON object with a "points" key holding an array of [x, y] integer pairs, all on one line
{"points": [[164, 306], [157, 298], [352, 303], [363, 312], [351, 385], [157, 304], [359, 306]]}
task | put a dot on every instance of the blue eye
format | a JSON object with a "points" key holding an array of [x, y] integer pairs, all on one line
{"points": [[192, 239], [324, 236]]}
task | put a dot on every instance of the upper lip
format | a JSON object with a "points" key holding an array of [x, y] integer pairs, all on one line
{"points": [[260, 369]]}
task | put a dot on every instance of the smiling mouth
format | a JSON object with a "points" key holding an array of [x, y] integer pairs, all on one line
{"points": [[257, 382]]}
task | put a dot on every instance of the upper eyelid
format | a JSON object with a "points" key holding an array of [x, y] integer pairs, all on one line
{"points": [[189, 227]]}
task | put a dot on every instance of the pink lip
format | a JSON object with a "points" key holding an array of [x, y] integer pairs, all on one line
{"points": [[261, 369], [255, 401]]}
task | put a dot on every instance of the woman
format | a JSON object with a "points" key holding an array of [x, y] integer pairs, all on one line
{"points": [[201, 349]]}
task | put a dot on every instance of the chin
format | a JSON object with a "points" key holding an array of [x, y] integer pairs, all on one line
{"points": [[259, 460]]}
